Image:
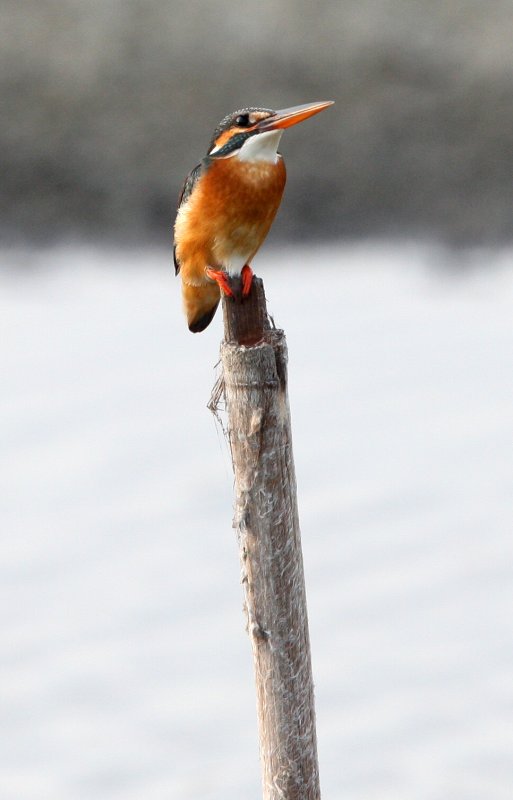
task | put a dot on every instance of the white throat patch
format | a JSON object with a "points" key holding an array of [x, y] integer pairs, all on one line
{"points": [[261, 147]]}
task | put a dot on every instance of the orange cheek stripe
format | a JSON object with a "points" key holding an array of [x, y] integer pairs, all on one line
{"points": [[223, 139]]}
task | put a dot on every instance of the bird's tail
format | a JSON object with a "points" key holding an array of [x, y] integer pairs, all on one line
{"points": [[200, 304]]}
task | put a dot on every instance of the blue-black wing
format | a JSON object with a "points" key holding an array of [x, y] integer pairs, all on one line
{"points": [[189, 184]]}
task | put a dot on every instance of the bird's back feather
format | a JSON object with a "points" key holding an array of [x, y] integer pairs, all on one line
{"points": [[188, 186]]}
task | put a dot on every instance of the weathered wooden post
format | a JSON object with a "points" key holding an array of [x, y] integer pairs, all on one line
{"points": [[254, 382]]}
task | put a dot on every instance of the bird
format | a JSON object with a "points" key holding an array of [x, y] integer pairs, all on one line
{"points": [[227, 206]]}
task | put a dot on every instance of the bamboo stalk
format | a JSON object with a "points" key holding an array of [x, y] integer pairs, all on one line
{"points": [[267, 525]]}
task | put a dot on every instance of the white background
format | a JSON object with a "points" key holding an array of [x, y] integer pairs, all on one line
{"points": [[125, 670]]}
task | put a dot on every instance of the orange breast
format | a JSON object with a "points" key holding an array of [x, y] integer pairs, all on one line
{"points": [[228, 215]]}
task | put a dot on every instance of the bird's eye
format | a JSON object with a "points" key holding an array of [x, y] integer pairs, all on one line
{"points": [[242, 121]]}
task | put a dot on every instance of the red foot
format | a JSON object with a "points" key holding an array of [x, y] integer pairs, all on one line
{"points": [[247, 279], [222, 279]]}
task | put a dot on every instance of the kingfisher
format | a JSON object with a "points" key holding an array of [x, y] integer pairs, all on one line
{"points": [[227, 206]]}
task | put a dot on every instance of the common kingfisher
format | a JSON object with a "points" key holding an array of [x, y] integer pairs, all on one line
{"points": [[227, 206]]}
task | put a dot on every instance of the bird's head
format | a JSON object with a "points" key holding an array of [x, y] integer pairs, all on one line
{"points": [[253, 134]]}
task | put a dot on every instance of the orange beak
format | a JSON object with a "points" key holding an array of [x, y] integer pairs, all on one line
{"points": [[291, 116]]}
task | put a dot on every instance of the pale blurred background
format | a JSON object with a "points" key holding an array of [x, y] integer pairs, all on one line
{"points": [[125, 671]]}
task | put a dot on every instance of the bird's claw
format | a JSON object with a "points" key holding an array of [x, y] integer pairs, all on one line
{"points": [[239, 290], [246, 276], [222, 279]]}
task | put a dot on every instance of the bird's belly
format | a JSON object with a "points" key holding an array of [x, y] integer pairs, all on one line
{"points": [[236, 243], [244, 216], [228, 217]]}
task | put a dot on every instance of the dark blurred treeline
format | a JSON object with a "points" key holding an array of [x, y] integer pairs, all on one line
{"points": [[108, 103]]}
